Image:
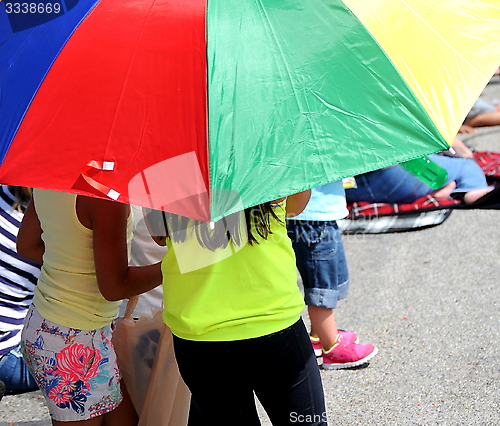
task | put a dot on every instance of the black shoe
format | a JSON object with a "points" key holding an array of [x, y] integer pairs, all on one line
{"points": [[2, 389]]}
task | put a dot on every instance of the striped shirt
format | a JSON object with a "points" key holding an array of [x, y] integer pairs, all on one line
{"points": [[18, 276]]}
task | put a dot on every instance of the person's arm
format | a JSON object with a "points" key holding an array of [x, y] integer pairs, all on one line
{"points": [[156, 224], [29, 238], [297, 202], [115, 278]]}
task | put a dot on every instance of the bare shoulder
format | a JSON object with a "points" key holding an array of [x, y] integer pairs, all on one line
{"points": [[98, 212]]}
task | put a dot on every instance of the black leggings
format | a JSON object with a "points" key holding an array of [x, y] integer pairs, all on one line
{"points": [[280, 368]]}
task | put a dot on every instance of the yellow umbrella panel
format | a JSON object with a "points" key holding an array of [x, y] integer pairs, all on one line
{"points": [[444, 50]]}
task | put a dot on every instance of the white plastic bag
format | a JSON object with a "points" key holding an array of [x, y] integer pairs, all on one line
{"points": [[146, 359]]}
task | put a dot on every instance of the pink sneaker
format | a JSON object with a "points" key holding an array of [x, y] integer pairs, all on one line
{"points": [[350, 336], [316, 344], [347, 354]]}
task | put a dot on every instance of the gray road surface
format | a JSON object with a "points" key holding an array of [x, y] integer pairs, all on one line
{"points": [[429, 300]]}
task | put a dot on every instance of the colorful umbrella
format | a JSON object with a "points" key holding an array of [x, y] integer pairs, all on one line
{"points": [[203, 107]]}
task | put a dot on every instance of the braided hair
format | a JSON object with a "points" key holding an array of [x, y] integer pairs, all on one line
{"points": [[216, 235]]}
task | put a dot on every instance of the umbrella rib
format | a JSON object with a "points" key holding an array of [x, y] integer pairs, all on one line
{"points": [[134, 54]]}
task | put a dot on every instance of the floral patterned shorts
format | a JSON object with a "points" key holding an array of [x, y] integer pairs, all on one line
{"points": [[75, 369]]}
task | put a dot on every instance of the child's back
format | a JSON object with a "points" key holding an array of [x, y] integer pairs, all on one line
{"points": [[67, 292], [235, 316], [252, 291]]}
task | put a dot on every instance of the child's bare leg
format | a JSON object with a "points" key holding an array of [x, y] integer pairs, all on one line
{"points": [[445, 191], [475, 195], [124, 414], [485, 119], [323, 325], [96, 421]]}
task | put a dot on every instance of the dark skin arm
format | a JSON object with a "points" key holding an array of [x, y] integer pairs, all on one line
{"points": [[116, 279], [29, 239], [296, 203]]}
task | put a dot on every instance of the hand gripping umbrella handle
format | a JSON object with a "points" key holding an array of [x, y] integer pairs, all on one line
{"points": [[103, 166]]}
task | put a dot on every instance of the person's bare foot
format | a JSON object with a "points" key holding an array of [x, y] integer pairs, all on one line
{"points": [[445, 191], [476, 194], [461, 149]]}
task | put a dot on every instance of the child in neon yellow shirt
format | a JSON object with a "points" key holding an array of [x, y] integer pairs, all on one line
{"points": [[234, 308]]}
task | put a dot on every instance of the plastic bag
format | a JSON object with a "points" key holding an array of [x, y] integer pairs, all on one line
{"points": [[145, 353]]}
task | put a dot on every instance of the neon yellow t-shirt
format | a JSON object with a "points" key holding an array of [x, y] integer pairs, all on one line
{"points": [[236, 293]]}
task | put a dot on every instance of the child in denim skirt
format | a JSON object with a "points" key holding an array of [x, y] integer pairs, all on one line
{"points": [[317, 242]]}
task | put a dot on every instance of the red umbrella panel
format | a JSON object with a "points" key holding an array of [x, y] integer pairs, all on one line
{"points": [[109, 115], [205, 107]]}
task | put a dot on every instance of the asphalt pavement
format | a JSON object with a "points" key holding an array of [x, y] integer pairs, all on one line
{"points": [[430, 301]]}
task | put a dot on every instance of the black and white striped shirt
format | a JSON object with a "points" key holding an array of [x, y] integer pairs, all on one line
{"points": [[18, 276]]}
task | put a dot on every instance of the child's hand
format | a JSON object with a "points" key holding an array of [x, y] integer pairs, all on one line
{"points": [[464, 128]]}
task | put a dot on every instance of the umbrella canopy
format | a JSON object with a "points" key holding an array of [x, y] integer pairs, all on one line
{"points": [[203, 108]]}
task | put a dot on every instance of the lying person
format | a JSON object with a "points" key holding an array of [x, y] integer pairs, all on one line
{"points": [[395, 185]]}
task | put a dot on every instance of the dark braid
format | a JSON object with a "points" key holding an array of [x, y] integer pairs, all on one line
{"points": [[258, 218], [216, 235]]}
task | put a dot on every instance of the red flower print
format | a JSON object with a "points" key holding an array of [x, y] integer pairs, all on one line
{"points": [[77, 362], [61, 395]]}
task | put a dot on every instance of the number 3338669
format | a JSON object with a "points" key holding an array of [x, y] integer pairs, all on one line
{"points": [[32, 7]]}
